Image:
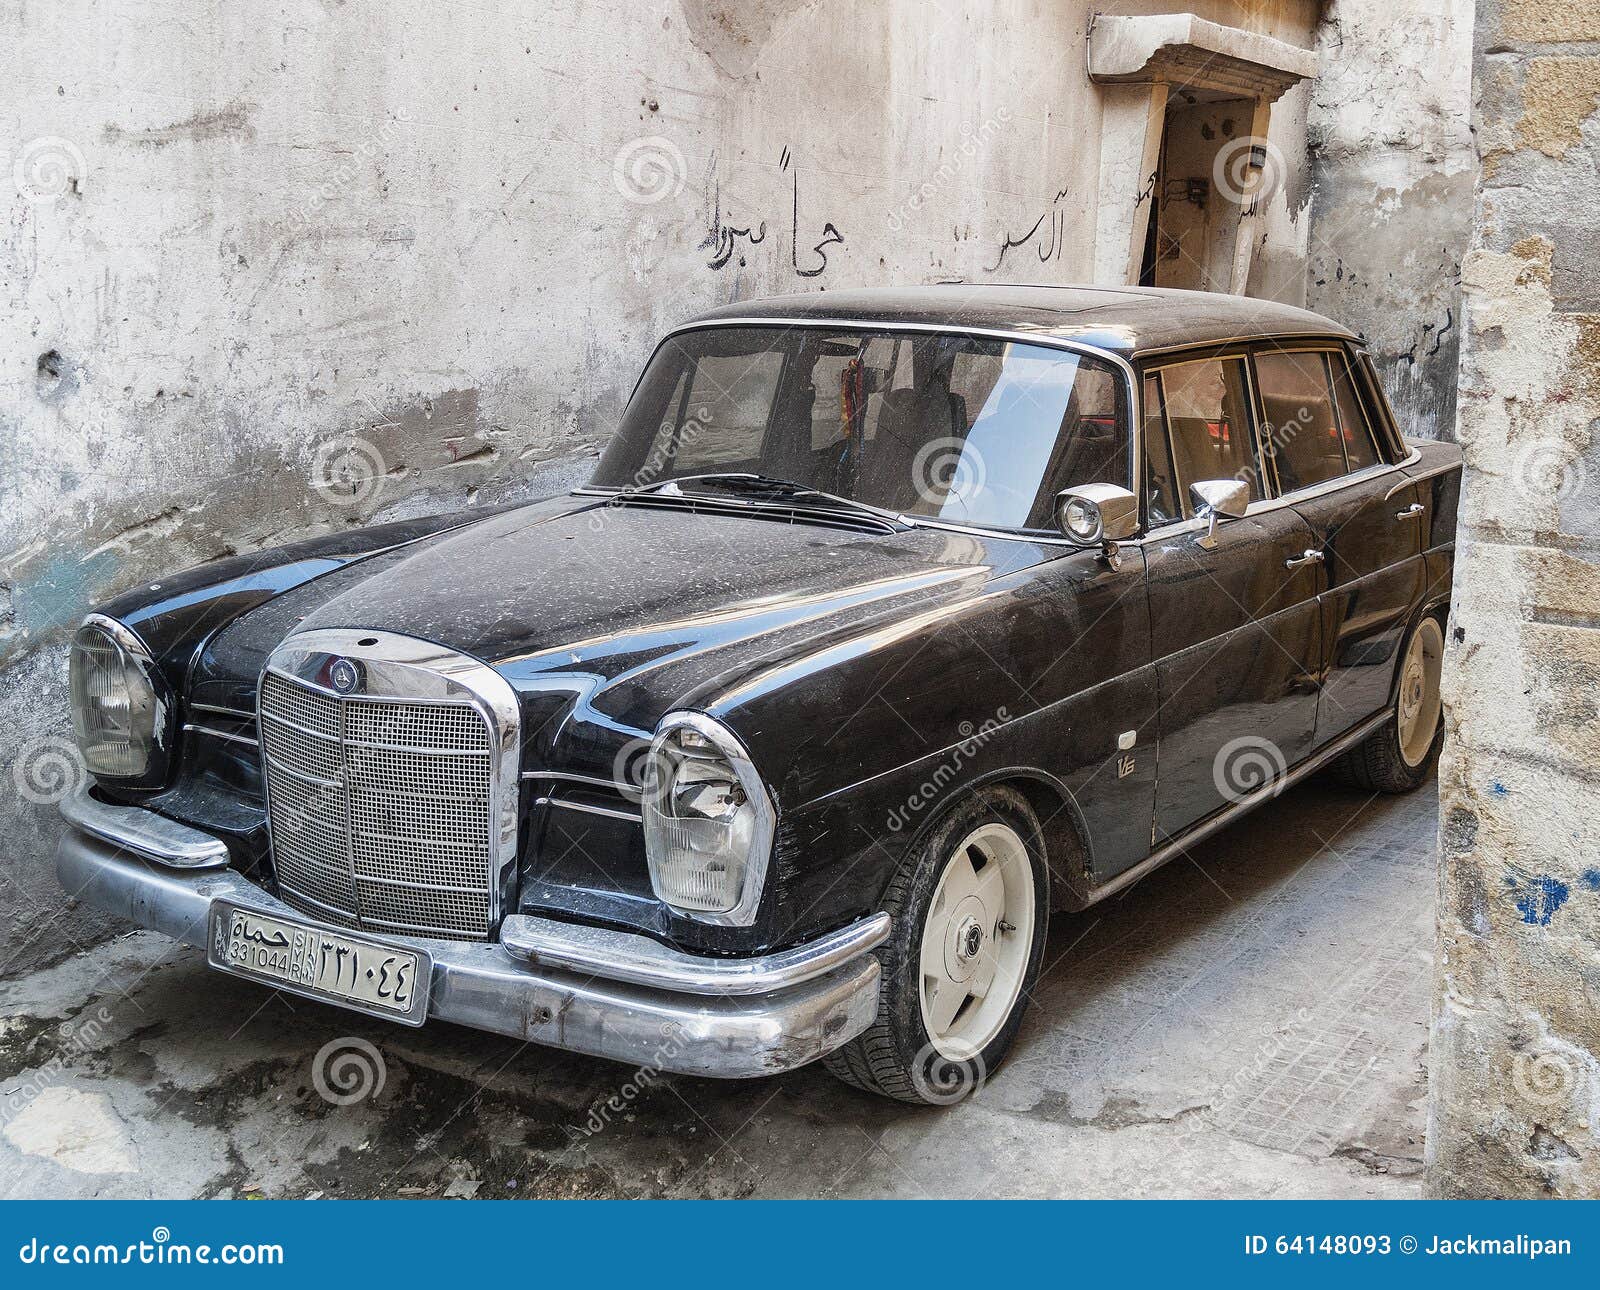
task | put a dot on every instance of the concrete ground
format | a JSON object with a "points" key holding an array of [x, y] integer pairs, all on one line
{"points": [[1250, 1021]]}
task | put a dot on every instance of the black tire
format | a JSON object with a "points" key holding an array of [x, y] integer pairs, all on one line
{"points": [[1378, 764], [894, 1057]]}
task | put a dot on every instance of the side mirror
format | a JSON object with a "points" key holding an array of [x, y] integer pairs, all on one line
{"points": [[1098, 515], [1215, 499]]}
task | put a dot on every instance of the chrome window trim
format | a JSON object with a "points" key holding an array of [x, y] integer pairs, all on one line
{"points": [[1200, 347], [409, 669], [1130, 381], [1290, 499]]}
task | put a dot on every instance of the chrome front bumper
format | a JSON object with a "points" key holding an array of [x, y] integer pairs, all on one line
{"points": [[608, 994]]}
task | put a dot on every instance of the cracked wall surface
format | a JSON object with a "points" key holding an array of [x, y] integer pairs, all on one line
{"points": [[1392, 165], [1515, 1064]]}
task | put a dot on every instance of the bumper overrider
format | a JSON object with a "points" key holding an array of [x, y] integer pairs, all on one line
{"points": [[591, 990]]}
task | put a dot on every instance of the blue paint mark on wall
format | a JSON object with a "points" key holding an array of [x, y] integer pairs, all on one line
{"points": [[1500, 790], [1591, 879], [1541, 897]]}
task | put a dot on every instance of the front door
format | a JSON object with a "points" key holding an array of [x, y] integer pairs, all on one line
{"points": [[1235, 626]]}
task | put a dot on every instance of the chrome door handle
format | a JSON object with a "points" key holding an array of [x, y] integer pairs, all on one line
{"points": [[1411, 512], [1310, 557]]}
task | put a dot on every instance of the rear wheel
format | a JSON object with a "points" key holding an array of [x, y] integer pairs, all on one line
{"points": [[1398, 756], [970, 909]]}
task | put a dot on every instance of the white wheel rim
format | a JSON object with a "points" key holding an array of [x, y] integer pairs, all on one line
{"points": [[976, 941], [1418, 706]]}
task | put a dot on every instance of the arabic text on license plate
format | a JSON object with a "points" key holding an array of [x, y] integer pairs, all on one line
{"points": [[373, 977]]}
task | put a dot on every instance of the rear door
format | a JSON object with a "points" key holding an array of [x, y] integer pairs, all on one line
{"points": [[1235, 627], [1365, 516]]}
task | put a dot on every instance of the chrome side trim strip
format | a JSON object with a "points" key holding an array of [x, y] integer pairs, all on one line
{"points": [[568, 777], [1222, 819], [610, 812], [240, 713], [638, 960], [220, 734], [133, 828]]}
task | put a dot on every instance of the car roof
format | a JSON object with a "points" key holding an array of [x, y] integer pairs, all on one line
{"points": [[1127, 321]]}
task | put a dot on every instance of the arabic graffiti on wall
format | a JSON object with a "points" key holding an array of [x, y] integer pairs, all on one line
{"points": [[723, 239], [1048, 247]]}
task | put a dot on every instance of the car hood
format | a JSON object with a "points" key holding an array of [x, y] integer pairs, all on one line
{"points": [[615, 614]]}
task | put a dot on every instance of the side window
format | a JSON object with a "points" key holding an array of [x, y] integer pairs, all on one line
{"points": [[1359, 446], [1160, 492], [1208, 414], [1300, 431]]}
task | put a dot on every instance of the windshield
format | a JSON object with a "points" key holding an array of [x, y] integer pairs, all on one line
{"points": [[960, 428]]}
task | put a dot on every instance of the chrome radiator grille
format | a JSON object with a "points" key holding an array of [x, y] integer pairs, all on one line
{"points": [[381, 811]]}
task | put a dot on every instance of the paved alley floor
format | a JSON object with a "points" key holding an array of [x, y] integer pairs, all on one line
{"points": [[1250, 1021]]}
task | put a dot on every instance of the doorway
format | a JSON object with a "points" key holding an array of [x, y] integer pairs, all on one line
{"points": [[1200, 191]]}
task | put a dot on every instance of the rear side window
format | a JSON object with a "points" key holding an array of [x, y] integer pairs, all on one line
{"points": [[1208, 414], [1300, 429], [1359, 446]]}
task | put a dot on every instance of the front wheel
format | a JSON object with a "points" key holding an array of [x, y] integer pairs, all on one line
{"points": [[970, 909], [1398, 756]]}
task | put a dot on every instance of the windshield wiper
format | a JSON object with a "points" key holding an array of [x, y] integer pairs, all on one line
{"points": [[740, 481]]}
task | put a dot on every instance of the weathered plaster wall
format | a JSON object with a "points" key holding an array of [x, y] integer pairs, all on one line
{"points": [[1515, 1086], [1392, 166], [269, 269]]}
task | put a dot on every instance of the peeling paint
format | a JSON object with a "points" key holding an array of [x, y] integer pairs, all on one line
{"points": [[1540, 899]]}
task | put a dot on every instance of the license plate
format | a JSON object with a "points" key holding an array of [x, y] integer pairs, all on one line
{"points": [[367, 976]]}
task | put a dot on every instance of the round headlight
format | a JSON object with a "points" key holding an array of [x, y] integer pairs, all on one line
{"points": [[708, 821], [115, 711], [1081, 519]]}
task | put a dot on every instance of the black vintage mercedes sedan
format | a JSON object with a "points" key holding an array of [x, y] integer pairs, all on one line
{"points": [[890, 622]]}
